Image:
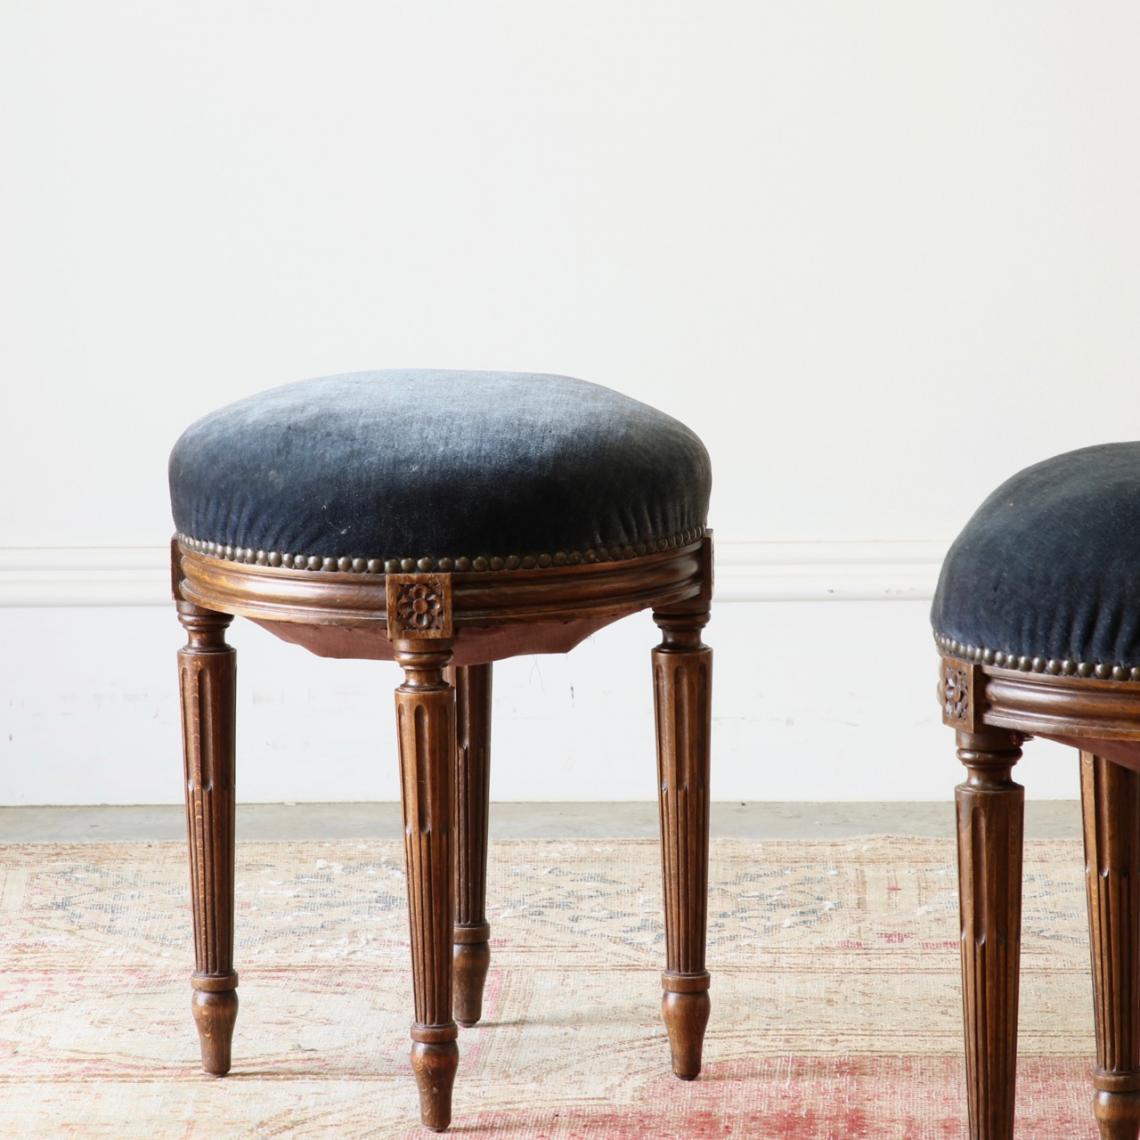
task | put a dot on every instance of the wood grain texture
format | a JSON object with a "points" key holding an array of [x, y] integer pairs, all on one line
{"points": [[1068, 708], [682, 691], [990, 839], [472, 953], [1117, 1114], [503, 613], [1110, 799], [476, 646], [425, 717], [207, 677]]}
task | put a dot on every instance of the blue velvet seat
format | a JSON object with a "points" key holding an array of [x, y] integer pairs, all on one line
{"points": [[1045, 577], [415, 470]]}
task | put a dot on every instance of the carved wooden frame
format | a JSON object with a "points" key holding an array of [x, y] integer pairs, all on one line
{"points": [[358, 602], [1068, 709], [445, 628], [994, 710]]}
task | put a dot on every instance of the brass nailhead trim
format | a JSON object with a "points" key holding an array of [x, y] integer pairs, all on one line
{"points": [[1026, 664], [479, 563]]}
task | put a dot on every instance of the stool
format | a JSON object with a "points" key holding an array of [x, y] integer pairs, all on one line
{"points": [[1037, 619], [444, 520]]}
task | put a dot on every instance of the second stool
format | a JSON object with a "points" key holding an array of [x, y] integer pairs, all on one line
{"points": [[1037, 619]]}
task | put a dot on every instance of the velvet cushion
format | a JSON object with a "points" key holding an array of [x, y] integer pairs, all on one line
{"points": [[1047, 572], [428, 465]]}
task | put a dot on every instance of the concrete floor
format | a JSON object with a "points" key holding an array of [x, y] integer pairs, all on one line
{"points": [[1046, 819]]}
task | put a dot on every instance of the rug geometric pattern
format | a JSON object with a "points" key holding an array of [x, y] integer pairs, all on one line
{"points": [[836, 1010]]}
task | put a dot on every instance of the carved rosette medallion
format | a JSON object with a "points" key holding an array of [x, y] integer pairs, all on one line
{"points": [[419, 605], [956, 693]]}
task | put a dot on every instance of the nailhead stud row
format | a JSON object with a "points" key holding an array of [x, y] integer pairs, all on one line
{"points": [[1027, 664], [480, 563]]}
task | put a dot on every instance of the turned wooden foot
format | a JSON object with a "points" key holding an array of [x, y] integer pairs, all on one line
{"points": [[990, 809], [207, 675], [1117, 1114], [686, 1015], [425, 716], [470, 963], [472, 952], [434, 1064], [1110, 800], [682, 676], [214, 1014]]}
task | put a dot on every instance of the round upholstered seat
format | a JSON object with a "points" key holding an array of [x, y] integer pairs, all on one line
{"points": [[407, 470], [1046, 575]]}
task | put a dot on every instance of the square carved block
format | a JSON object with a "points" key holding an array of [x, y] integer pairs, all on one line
{"points": [[419, 605], [958, 684]]}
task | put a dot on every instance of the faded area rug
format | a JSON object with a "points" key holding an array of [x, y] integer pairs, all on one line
{"points": [[835, 995]]}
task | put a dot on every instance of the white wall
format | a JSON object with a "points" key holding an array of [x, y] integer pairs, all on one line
{"points": [[879, 256]]}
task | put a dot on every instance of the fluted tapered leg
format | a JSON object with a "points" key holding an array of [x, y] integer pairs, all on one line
{"points": [[207, 674], [425, 716], [990, 810], [1110, 797], [472, 953], [682, 690]]}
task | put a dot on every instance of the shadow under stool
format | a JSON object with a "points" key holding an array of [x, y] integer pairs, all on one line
{"points": [[443, 520], [1037, 619]]}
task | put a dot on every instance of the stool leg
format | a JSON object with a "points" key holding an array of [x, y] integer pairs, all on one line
{"points": [[682, 687], [1110, 799], [425, 717], [471, 954], [990, 810], [207, 675]]}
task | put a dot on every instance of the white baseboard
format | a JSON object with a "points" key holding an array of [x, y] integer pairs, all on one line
{"points": [[84, 575], [747, 570], [878, 571]]}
